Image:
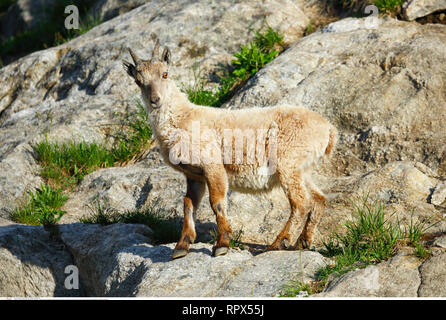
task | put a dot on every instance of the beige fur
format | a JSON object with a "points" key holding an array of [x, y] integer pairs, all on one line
{"points": [[302, 137]]}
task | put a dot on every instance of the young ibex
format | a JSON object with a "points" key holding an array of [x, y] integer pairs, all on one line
{"points": [[290, 138]]}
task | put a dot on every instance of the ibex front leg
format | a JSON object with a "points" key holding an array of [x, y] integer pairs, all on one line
{"points": [[195, 191], [217, 185]]}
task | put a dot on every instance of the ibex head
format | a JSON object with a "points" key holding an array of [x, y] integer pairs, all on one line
{"points": [[151, 75]]}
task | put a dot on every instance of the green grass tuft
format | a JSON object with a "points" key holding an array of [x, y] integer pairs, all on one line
{"points": [[300, 289], [234, 242], [388, 5], [201, 96], [356, 7], [369, 239], [163, 230], [421, 252], [42, 207], [65, 165], [415, 230], [310, 28]]}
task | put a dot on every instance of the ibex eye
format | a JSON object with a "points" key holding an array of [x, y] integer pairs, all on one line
{"points": [[165, 75]]}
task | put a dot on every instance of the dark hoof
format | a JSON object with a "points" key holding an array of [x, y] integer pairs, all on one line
{"points": [[220, 251], [283, 245], [304, 244], [179, 253]]}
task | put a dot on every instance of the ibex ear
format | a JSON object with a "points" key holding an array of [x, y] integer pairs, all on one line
{"points": [[166, 56], [130, 68]]}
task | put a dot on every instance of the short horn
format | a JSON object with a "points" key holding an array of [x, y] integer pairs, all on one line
{"points": [[135, 58], [156, 51]]}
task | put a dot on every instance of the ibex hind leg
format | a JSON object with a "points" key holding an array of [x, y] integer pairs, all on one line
{"points": [[319, 201], [194, 194], [295, 190]]}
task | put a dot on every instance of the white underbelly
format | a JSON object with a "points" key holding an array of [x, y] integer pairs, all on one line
{"points": [[251, 180]]}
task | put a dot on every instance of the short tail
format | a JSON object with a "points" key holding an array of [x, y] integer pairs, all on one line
{"points": [[332, 141]]}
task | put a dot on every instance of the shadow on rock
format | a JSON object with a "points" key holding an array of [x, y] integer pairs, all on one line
{"points": [[33, 263]]}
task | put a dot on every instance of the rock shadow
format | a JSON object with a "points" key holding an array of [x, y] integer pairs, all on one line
{"points": [[39, 247]]}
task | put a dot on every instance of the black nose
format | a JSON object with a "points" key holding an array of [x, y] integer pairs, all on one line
{"points": [[154, 100]]}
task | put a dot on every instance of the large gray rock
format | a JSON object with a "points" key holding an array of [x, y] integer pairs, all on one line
{"points": [[439, 195], [119, 260], [398, 277], [108, 9], [107, 257], [403, 187], [440, 242], [413, 9], [267, 274], [33, 263], [402, 276], [24, 15], [433, 277]]}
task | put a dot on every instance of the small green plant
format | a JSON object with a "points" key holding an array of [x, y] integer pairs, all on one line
{"points": [[198, 94], [163, 230], [310, 28], [213, 234], [389, 6], [42, 207], [100, 214], [86, 24], [297, 289], [421, 252], [248, 61], [415, 230], [356, 7], [270, 40], [300, 288], [234, 242]]}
